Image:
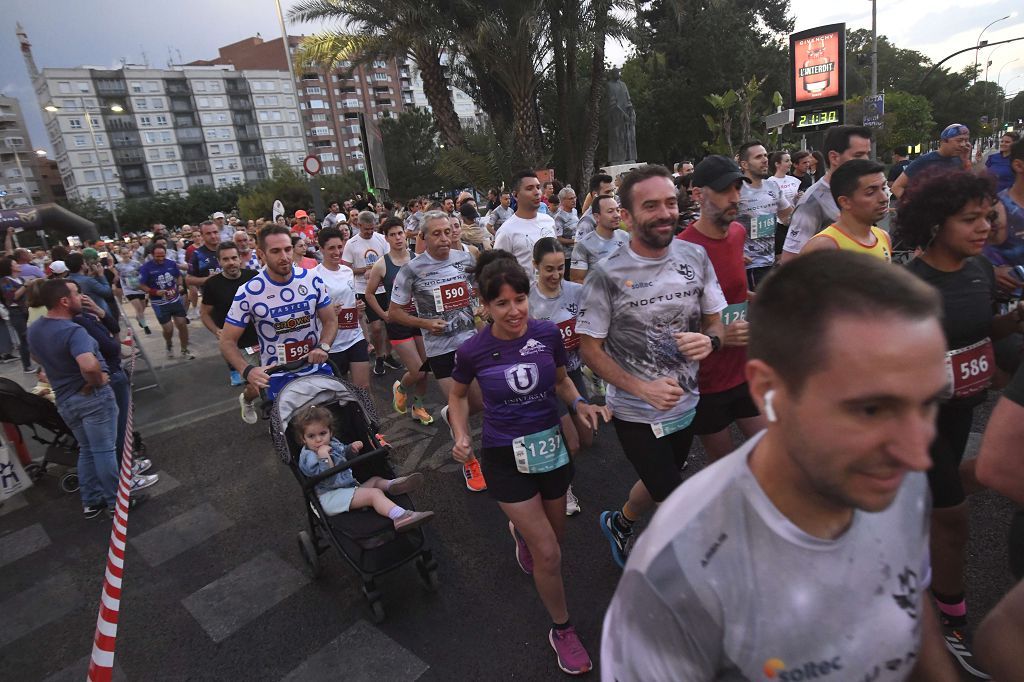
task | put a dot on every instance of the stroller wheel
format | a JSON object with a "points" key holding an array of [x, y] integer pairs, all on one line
{"points": [[69, 483], [428, 575], [308, 551], [378, 612], [35, 471], [373, 598]]}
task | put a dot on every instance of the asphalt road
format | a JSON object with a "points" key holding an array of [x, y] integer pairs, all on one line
{"points": [[215, 588]]}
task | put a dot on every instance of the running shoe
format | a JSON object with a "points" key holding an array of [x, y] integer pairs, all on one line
{"points": [[412, 519], [523, 556], [444, 418], [31, 369], [572, 503], [186, 354], [960, 646], [170, 353], [7, 357], [400, 399], [419, 412], [572, 657], [391, 362], [143, 481], [474, 476], [147, 330], [91, 511], [378, 367], [617, 539], [140, 466], [249, 415], [133, 502], [236, 378]]}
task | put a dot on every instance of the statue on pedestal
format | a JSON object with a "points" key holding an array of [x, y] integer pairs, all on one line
{"points": [[621, 122]]}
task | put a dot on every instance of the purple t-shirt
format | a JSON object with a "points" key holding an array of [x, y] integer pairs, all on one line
{"points": [[517, 380]]}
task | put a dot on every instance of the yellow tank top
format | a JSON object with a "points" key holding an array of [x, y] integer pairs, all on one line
{"points": [[882, 249]]}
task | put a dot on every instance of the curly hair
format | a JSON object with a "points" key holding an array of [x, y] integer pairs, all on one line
{"points": [[932, 198], [312, 414], [496, 268]]}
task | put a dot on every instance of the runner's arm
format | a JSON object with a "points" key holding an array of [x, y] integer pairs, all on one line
{"points": [[328, 324], [398, 315], [597, 359], [934, 664], [900, 186], [194, 281], [228, 344], [1005, 325], [373, 279], [458, 418], [205, 315], [999, 459], [820, 243]]}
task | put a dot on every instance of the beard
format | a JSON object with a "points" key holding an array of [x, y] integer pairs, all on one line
{"points": [[646, 234]]}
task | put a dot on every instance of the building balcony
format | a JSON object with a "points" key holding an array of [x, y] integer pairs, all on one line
{"points": [[197, 167], [236, 86], [249, 132], [240, 103], [190, 135], [125, 157], [178, 88], [178, 105]]}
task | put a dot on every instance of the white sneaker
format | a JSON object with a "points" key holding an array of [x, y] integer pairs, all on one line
{"points": [[140, 482], [249, 415], [572, 503], [140, 466]]}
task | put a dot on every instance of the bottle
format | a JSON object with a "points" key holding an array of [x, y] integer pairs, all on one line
{"points": [[816, 71]]}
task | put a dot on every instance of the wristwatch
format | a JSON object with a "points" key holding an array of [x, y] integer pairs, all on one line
{"points": [[324, 347], [716, 342]]}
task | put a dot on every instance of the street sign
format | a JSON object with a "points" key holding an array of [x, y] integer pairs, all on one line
{"points": [[874, 110], [778, 119], [311, 164]]}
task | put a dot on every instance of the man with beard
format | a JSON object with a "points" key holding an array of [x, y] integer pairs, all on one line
{"points": [[649, 313], [762, 205], [724, 392]]}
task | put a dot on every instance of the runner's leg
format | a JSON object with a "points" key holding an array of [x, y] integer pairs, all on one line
{"points": [[534, 522]]}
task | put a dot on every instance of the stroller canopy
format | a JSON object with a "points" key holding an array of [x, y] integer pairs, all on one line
{"points": [[315, 389]]}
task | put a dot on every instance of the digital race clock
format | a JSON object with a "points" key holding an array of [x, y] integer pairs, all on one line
{"points": [[819, 118]]}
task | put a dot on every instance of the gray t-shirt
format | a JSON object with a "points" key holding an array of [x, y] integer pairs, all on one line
{"points": [[722, 586], [636, 304], [561, 310], [592, 248], [759, 207], [440, 290], [498, 215], [565, 223], [816, 211], [586, 225]]}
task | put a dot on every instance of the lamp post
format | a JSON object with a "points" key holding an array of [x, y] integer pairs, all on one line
{"points": [[977, 45], [117, 109]]}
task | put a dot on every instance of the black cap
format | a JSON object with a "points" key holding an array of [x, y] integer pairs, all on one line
{"points": [[717, 172]]}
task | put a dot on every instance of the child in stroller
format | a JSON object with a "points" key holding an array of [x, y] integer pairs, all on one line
{"points": [[341, 492]]}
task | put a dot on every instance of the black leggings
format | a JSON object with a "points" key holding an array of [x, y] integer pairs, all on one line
{"points": [[658, 461], [954, 428]]}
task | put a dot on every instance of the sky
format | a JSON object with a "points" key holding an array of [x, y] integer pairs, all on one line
{"points": [[103, 32]]}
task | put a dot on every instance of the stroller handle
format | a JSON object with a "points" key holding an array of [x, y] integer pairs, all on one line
{"points": [[310, 483], [297, 365]]}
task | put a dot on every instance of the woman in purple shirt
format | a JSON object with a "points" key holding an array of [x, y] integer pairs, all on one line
{"points": [[519, 364]]}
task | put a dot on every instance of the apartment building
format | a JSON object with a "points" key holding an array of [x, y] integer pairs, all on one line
{"points": [[19, 165]]}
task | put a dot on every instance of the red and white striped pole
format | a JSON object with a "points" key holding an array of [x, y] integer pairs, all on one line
{"points": [[101, 665]]}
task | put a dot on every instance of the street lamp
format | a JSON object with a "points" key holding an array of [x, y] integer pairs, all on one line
{"points": [[41, 153], [977, 45]]}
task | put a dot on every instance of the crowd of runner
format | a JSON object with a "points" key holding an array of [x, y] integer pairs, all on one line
{"points": [[671, 306]]}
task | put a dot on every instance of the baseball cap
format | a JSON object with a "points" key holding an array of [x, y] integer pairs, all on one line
{"points": [[717, 172], [301, 214], [216, 215], [954, 130], [90, 254], [342, 218], [57, 267]]}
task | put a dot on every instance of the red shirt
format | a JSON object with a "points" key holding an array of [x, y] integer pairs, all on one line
{"points": [[723, 369], [308, 232]]}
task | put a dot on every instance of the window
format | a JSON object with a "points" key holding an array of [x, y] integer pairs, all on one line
{"points": [[136, 87], [167, 137], [83, 86], [75, 123], [170, 154], [199, 86], [351, 103], [381, 77], [318, 117], [380, 64], [214, 149], [90, 176], [263, 116], [177, 184], [157, 102], [291, 115], [224, 133], [322, 131], [145, 121], [218, 102], [104, 157], [85, 158], [328, 156], [229, 147], [161, 120], [101, 140], [156, 170], [64, 87], [286, 86], [95, 193], [70, 104], [218, 164], [203, 101], [140, 103], [214, 86], [222, 117], [276, 116], [152, 86], [80, 141], [153, 154], [279, 131], [314, 91], [161, 186], [273, 100]]}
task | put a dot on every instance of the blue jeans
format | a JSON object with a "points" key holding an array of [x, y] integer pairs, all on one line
{"points": [[123, 394], [93, 420]]}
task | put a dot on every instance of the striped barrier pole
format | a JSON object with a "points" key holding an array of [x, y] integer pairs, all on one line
{"points": [[101, 664]]}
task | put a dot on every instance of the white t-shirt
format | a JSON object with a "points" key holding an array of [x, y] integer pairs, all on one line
{"points": [[340, 285], [789, 186], [363, 253], [518, 235]]}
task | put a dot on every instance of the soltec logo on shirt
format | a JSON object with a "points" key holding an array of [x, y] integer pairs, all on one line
{"points": [[630, 284], [775, 669]]}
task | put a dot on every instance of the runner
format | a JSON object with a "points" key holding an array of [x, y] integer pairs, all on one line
{"points": [[519, 233], [520, 366], [290, 309], [224, 231], [566, 219], [601, 184], [724, 392], [203, 262], [361, 252], [437, 281], [762, 565], [817, 209], [595, 245], [650, 312], [497, 216], [348, 352], [246, 254], [953, 154], [946, 215], [162, 280], [218, 296], [858, 188], [457, 243], [303, 227], [782, 163], [128, 274], [762, 205], [558, 301], [406, 341]]}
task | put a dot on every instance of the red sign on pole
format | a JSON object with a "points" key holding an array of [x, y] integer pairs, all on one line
{"points": [[311, 164]]}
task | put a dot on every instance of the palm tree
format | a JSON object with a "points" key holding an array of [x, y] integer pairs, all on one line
{"points": [[364, 29]]}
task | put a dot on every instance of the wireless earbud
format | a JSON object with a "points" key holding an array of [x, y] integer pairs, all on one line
{"points": [[769, 411]]}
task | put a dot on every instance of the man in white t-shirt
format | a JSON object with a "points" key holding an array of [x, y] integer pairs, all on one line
{"points": [[348, 352], [361, 252], [762, 204], [519, 233], [804, 554]]}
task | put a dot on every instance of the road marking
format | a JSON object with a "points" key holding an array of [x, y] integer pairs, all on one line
{"points": [[159, 426], [380, 658], [21, 543], [180, 534], [39, 605], [229, 603], [77, 671]]}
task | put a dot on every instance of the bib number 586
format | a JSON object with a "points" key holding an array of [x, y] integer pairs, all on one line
{"points": [[976, 367]]}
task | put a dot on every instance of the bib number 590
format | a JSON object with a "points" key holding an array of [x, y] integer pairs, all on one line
{"points": [[451, 296]]}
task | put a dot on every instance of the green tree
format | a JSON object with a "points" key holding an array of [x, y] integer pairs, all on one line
{"points": [[93, 210], [411, 153], [907, 120]]}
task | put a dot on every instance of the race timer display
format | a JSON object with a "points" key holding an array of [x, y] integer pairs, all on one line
{"points": [[819, 117]]}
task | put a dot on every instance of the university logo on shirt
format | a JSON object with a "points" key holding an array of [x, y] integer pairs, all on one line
{"points": [[522, 378]]}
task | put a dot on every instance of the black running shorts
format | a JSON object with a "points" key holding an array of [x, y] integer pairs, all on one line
{"points": [[506, 483], [658, 461]]}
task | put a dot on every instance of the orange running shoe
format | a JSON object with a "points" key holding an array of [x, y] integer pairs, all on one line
{"points": [[474, 476], [401, 400], [420, 413]]}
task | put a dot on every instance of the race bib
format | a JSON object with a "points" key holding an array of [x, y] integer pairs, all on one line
{"points": [[665, 428], [451, 296], [762, 226], [567, 329], [252, 350], [348, 318], [289, 351], [734, 313], [970, 369], [540, 452]]}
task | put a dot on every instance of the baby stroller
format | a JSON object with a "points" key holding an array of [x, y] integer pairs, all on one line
{"points": [[366, 540], [21, 408]]}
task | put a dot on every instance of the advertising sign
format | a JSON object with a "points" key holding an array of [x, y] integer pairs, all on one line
{"points": [[874, 110], [818, 66]]}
